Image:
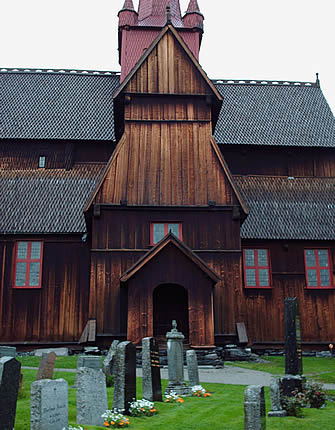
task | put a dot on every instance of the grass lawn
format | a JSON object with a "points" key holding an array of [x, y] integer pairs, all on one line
{"points": [[319, 369], [223, 410]]}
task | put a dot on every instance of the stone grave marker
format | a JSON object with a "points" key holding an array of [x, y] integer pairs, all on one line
{"points": [[152, 387], [7, 351], [90, 361], [125, 376], [9, 388], [192, 368], [254, 408], [91, 396], [175, 352], [46, 367], [276, 407], [293, 351], [49, 404], [108, 364]]}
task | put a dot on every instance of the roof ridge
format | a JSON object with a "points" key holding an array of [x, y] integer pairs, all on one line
{"points": [[263, 82], [58, 71]]}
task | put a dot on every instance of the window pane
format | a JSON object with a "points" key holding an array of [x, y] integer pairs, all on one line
{"points": [[310, 258], [158, 232], [324, 278], [174, 228], [22, 249], [35, 250], [20, 274], [312, 278], [323, 257], [263, 277], [249, 257], [262, 257], [251, 277], [34, 274]]}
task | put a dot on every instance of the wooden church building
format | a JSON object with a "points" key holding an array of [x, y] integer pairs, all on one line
{"points": [[131, 199]]}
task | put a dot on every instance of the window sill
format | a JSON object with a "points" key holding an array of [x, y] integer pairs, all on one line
{"points": [[319, 288], [258, 288], [27, 288]]}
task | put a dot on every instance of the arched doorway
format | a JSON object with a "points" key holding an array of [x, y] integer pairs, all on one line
{"points": [[170, 302]]}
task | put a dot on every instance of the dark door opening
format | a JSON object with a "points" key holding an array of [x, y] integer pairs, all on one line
{"points": [[170, 302]]}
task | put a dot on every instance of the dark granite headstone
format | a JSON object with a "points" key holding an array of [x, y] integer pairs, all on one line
{"points": [[152, 387], [293, 351], [254, 408], [9, 388], [46, 367], [125, 376], [289, 384]]}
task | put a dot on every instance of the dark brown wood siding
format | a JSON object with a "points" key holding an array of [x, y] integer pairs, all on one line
{"points": [[58, 311]]}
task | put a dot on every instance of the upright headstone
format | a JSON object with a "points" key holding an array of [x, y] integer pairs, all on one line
{"points": [[46, 367], [254, 408], [91, 396], [9, 388], [192, 368], [290, 384], [7, 351], [276, 407], [293, 351], [175, 352], [125, 376], [152, 387], [108, 364], [90, 361], [49, 405]]}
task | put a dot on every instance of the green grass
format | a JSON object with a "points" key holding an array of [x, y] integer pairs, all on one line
{"points": [[69, 362], [320, 369], [223, 410]]}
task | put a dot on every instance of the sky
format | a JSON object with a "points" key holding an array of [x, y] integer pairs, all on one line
{"points": [[243, 39]]}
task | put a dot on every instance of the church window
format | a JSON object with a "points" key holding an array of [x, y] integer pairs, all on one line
{"points": [[160, 230], [257, 270], [318, 268], [28, 264]]}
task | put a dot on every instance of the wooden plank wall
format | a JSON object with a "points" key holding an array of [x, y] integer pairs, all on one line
{"points": [[56, 312]]}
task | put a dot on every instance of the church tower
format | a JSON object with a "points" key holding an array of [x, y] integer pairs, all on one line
{"points": [[137, 30]]}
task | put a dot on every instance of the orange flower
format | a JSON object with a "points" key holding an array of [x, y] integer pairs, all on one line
{"points": [[112, 423], [106, 424], [180, 400], [166, 400]]}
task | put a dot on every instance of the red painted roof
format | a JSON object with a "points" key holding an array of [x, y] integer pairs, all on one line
{"points": [[193, 6], [152, 13]]}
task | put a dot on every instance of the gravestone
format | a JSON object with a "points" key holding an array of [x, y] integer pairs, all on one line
{"points": [[125, 376], [192, 368], [9, 388], [276, 407], [91, 396], [46, 367], [254, 408], [290, 384], [293, 351], [49, 405], [152, 387], [90, 361], [175, 352], [7, 351], [108, 364]]}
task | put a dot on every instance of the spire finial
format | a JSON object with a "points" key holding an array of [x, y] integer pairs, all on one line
{"points": [[168, 15], [317, 80], [128, 5]]}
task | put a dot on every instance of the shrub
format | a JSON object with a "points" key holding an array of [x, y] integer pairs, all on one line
{"points": [[293, 405], [115, 419], [142, 408], [315, 396]]}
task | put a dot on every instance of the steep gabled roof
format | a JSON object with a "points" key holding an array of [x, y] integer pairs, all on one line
{"points": [[288, 208], [269, 113], [46, 200], [170, 239]]}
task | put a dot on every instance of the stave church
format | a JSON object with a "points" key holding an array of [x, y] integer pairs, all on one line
{"points": [[130, 199]]}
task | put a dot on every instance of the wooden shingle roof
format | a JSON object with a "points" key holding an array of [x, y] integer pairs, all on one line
{"points": [[288, 208]]}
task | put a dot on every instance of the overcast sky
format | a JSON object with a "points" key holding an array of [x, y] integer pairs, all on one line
{"points": [[243, 39]]}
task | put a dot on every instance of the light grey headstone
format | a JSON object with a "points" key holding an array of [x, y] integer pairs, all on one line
{"points": [[107, 366], [90, 361], [49, 405], [192, 368], [9, 388], [125, 376], [60, 352], [152, 387], [7, 351], [175, 352], [91, 396], [276, 408], [254, 408]]}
